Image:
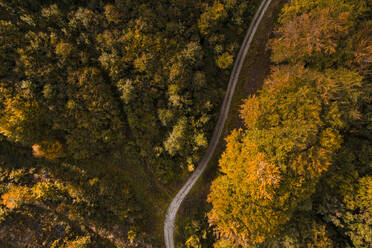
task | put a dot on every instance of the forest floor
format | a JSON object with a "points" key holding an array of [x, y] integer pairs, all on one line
{"points": [[255, 69]]}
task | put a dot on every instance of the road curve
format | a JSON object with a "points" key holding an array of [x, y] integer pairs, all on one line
{"points": [[170, 217]]}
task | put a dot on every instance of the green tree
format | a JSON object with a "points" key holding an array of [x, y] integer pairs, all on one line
{"points": [[224, 61]]}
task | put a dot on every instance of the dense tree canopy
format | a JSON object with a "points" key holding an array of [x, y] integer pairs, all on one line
{"points": [[115, 100], [102, 76], [298, 173]]}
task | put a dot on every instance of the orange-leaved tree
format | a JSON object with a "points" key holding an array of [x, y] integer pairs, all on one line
{"points": [[293, 129]]}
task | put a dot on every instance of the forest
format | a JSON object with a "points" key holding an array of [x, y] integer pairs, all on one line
{"points": [[299, 171], [105, 107]]}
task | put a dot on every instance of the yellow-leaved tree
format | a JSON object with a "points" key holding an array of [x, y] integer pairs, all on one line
{"points": [[293, 128]]}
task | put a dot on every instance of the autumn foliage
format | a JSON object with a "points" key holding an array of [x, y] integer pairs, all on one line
{"points": [[311, 105], [119, 90]]}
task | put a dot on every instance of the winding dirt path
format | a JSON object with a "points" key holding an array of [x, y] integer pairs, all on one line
{"points": [[170, 217]]}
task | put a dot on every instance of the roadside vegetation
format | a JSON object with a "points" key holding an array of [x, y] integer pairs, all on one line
{"points": [[192, 228], [298, 174]]}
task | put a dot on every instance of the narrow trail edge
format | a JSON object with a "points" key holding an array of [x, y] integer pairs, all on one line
{"points": [[170, 217]]}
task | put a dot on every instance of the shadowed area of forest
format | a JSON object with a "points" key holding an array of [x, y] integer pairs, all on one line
{"points": [[105, 107]]}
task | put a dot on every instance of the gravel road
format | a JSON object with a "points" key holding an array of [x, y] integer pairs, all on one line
{"points": [[239, 61]]}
